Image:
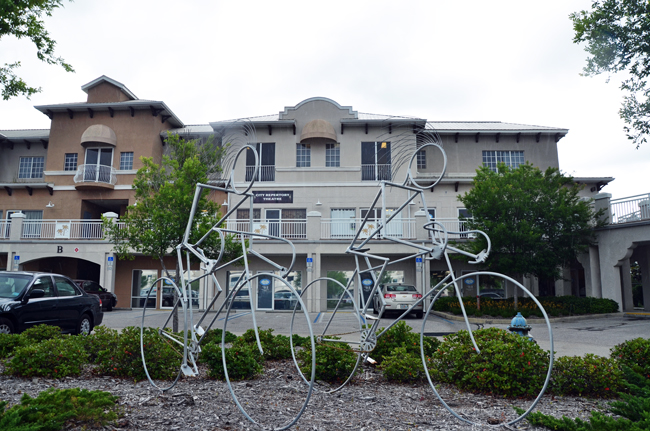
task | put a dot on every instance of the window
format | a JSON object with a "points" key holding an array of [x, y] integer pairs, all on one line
{"points": [[64, 287], [432, 213], [45, 284], [31, 167], [70, 163], [512, 159], [266, 152], [303, 155], [332, 155], [99, 165], [126, 161], [422, 159], [375, 161]]}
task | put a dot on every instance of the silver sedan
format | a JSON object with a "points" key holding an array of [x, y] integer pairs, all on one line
{"points": [[398, 298]]}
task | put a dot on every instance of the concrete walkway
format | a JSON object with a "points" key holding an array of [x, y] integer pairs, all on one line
{"points": [[573, 336]]}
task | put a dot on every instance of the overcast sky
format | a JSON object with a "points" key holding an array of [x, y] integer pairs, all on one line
{"points": [[509, 61]]}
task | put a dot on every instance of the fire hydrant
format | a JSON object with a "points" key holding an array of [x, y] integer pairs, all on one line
{"points": [[519, 326]]}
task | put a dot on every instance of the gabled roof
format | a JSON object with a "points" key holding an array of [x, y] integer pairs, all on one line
{"points": [[105, 78]]}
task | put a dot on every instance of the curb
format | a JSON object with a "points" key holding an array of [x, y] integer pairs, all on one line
{"points": [[530, 320]]}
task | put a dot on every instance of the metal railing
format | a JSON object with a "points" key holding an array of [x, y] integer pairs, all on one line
{"points": [[375, 172], [338, 228], [5, 229], [455, 225], [630, 209], [95, 174], [266, 173], [63, 229], [289, 229]]}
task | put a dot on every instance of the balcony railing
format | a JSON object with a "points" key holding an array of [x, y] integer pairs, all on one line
{"points": [[337, 228], [95, 174], [455, 225], [5, 229], [375, 172], [266, 173], [63, 229], [289, 229], [630, 209]]}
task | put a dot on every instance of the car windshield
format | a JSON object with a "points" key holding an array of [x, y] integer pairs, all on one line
{"points": [[401, 288], [11, 285]]}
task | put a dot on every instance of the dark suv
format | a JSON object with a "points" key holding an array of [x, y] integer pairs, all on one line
{"points": [[32, 298], [109, 299]]}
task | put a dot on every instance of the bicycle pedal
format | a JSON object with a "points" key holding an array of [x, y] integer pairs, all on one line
{"points": [[370, 317], [199, 330], [188, 371]]}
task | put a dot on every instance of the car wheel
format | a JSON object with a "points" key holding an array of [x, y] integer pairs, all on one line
{"points": [[85, 325], [418, 314], [109, 307], [6, 327]]}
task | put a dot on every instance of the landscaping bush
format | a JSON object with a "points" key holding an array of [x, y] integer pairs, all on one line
{"points": [[588, 376], [53, 408], [102, 339], [508, 365], [9, 342], [334, 361], [125, 360], [243, 360], [402, 366], [634, 354], [274, 346], [400, 335], [214, 336], [39, 333], [56, 357]]}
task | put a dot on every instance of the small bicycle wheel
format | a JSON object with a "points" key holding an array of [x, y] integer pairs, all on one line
{"points": [[510, 417], [156, 328], [345, 314], [283, 417]]}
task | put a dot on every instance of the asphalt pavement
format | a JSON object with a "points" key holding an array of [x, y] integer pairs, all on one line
{"points": [[571, 336]]}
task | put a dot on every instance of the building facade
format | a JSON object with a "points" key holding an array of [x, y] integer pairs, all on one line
{"points": [[321, 167]]}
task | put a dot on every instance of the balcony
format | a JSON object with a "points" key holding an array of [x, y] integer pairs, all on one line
{"points": [[630, 209], [266, 173], [95, 176], [289, 229], [63, 229], [337, 228], [375, 172]]}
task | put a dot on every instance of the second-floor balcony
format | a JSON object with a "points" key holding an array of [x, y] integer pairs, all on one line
{"points": [[265, 173], [92, 176], [376, 172], [630, 209]]}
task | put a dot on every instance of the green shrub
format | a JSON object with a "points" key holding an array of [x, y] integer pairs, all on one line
{"points": [[57, 357], [508, 365], [39, 333], [334, 361], [214, 336], [589, 376], [53, 408], [274, 346], [243, 360], [299, 341], [402, 366], [9, 342], [102, 339], [163, 356], [634, 354], [400, 335]]}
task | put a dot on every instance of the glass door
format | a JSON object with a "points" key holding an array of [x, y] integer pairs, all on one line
{"points": [[273, 221], [98, 165], [264, 292]]}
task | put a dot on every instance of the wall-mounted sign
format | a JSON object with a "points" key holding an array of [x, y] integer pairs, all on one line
{"points": [[367, 282], [62, 230], [273, 197], [469, 281]]}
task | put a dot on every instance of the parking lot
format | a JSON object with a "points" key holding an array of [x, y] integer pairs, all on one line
{"points": [[571, 336]]}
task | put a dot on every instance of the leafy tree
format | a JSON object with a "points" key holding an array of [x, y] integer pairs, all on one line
{"points": [[164, 193], [535, 220], [22, 19], [617, 34]]}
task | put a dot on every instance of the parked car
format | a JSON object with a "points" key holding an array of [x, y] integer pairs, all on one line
{"points": [[242, 299], [32, 298], [492, 295], [284, 300], [109, 299], [398, 297], [167, 297]]}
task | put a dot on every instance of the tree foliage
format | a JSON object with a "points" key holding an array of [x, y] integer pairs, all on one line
{"points": [[23, 19], [535, 220], [617, 33], [164, 193]]}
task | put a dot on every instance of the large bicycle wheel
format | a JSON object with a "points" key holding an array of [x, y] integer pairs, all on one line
{"points": [[341, 326], [283, 418], [510, 417], [156, 329]]}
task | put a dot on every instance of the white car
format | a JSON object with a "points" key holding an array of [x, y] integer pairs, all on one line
{"points": [[398, 298]]}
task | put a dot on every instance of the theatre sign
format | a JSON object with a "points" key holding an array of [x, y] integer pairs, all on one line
{"points": [[273, 197]]}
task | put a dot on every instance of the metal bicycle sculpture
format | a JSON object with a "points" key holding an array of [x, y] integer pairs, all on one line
{"points": [[191, 336], [439, 248]]}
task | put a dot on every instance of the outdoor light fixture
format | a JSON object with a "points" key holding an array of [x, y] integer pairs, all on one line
{"points": [[318, 203], [49, 205]]}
